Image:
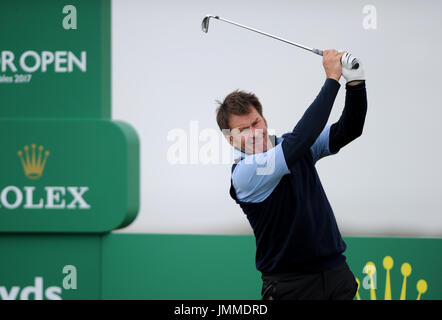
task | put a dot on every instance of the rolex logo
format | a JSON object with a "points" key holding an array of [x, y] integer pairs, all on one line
{"points": [[33, 165], [387, 263], [41, 197]]}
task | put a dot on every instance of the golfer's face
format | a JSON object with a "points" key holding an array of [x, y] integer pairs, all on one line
{"points": [[249, 132]]}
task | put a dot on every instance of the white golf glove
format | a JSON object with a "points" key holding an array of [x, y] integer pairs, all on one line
{"points": [[347, 72]]}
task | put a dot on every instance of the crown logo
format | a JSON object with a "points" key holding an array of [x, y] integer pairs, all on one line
{"points": [[34, 165], [387, 263]]}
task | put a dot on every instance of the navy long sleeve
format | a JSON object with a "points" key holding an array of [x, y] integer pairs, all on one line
{"points": [[351, 123], [308, 128]]}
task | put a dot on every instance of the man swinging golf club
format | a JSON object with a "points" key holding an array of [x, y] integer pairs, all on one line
{"points": [[299, 249]]}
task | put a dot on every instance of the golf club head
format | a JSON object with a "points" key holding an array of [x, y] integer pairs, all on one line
{"points": [[205, 23]]}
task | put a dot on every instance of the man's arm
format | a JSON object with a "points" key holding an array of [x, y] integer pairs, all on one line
{"points": [[307, 130], [321, 148], [351, 123]]}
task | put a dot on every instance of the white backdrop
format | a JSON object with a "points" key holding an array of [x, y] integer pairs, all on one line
{"points": [[168, 73]]}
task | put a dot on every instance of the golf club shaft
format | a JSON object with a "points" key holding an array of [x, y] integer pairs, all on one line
{"points": [[314, 50]]}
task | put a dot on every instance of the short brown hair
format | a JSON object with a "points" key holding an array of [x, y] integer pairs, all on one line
{"points": [[238, 102]]}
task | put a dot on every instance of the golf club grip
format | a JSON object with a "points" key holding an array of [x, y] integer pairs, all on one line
{"points": [[354, 64], [318, 51]]}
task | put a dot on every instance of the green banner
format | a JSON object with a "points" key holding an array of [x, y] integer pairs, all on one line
{"points": [[196, 267], [66, 167], [55, 59], [160, 266], [68, 176], [50, 267]]}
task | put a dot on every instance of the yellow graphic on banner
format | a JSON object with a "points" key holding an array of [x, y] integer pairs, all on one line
{"points": [[33, 165], [388, 263]]}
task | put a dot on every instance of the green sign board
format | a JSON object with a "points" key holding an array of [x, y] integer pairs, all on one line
{"points": [[55, 59], [201, 267], [66, 167], [67, 175], [50, 267]]}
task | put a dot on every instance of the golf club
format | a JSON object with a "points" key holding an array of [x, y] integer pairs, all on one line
{"points": [[205, 28]]}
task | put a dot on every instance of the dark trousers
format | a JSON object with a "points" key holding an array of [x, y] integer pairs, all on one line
{"points": [[335, 284]]}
